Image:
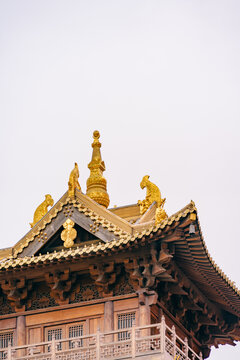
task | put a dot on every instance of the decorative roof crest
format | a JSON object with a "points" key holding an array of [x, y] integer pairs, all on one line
{"points": [[96, 183]]}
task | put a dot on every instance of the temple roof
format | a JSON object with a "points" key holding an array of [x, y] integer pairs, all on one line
{"points": [[191, 253], [124, 231]]}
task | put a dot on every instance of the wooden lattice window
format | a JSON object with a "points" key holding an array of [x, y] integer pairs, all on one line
{"points": [[75, 331], [6, 339], [57, 334], [125, 321], [65, 331]]}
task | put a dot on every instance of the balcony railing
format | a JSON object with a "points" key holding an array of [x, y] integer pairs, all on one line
{"points": [[136, 342]]}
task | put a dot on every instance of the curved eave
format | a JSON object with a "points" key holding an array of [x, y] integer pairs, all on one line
{"points": [[193, 257]]}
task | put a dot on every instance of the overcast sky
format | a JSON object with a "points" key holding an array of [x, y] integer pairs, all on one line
{"points": [[159, 79]]}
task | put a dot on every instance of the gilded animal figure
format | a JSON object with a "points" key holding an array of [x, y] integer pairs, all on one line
{"points": [[73, 181], [153, 194], [160, 214], [42, 209]]}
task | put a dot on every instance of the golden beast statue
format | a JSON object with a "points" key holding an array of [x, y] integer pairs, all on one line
{"points": [[42, 209], [153, 195], [73, 181]]}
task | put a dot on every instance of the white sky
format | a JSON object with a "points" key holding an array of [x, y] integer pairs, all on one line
{"points": [[158, 79]]}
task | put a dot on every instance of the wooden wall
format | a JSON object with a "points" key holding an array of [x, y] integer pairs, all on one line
{"points": [[32, 326]]}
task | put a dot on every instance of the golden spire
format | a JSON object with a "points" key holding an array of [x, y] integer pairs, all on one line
{"points": [[96, 183]]}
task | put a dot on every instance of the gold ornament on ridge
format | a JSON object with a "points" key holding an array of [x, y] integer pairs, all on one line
{"points": [[73, 181], [153, 195], [68, 234], [96, 183], [42, 209]]}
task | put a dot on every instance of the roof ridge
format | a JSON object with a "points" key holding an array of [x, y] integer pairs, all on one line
{"points": [[109, 215], [124, 237]]}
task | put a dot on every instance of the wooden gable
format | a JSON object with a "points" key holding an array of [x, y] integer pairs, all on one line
{"points": [[93, 224]]}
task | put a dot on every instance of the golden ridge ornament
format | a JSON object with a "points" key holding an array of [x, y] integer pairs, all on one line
{"points": [[68, 234], [160, 214], [96, 183], [153, 195], [73, 181], [42, 209]]}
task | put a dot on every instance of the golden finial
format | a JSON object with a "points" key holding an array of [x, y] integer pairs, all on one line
{"points": [[153, 194], [73, 181], [42, 209], [96, 183], [68, 234]]}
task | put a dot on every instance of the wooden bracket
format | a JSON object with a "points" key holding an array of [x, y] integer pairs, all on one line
{"points": [[17, 291], [104, 275], [148, 271], [147, 297], [60, 284]]}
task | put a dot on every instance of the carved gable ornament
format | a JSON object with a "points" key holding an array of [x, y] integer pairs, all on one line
{"points": [[68, 234]]}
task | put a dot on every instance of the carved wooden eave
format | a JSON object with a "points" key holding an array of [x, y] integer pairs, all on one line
{"points": [[206, 318]]}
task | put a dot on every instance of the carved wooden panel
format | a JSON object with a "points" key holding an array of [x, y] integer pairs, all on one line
{"points": [[84, 290], [5, 307], [41, 297], [123, 285]]}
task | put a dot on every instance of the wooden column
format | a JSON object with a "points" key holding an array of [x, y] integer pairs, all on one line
{"points": [[108, 319], [144, 308], [21, 333], [108, 316], [144, 313], [21, 330]]}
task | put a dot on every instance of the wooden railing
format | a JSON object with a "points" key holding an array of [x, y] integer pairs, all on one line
{"points": [[131, 343]]}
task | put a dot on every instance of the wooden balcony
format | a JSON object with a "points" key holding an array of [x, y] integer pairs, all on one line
{"points": [[156, 341]]}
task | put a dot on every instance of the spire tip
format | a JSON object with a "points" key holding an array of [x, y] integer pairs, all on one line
{"points": [[96, 183]]}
